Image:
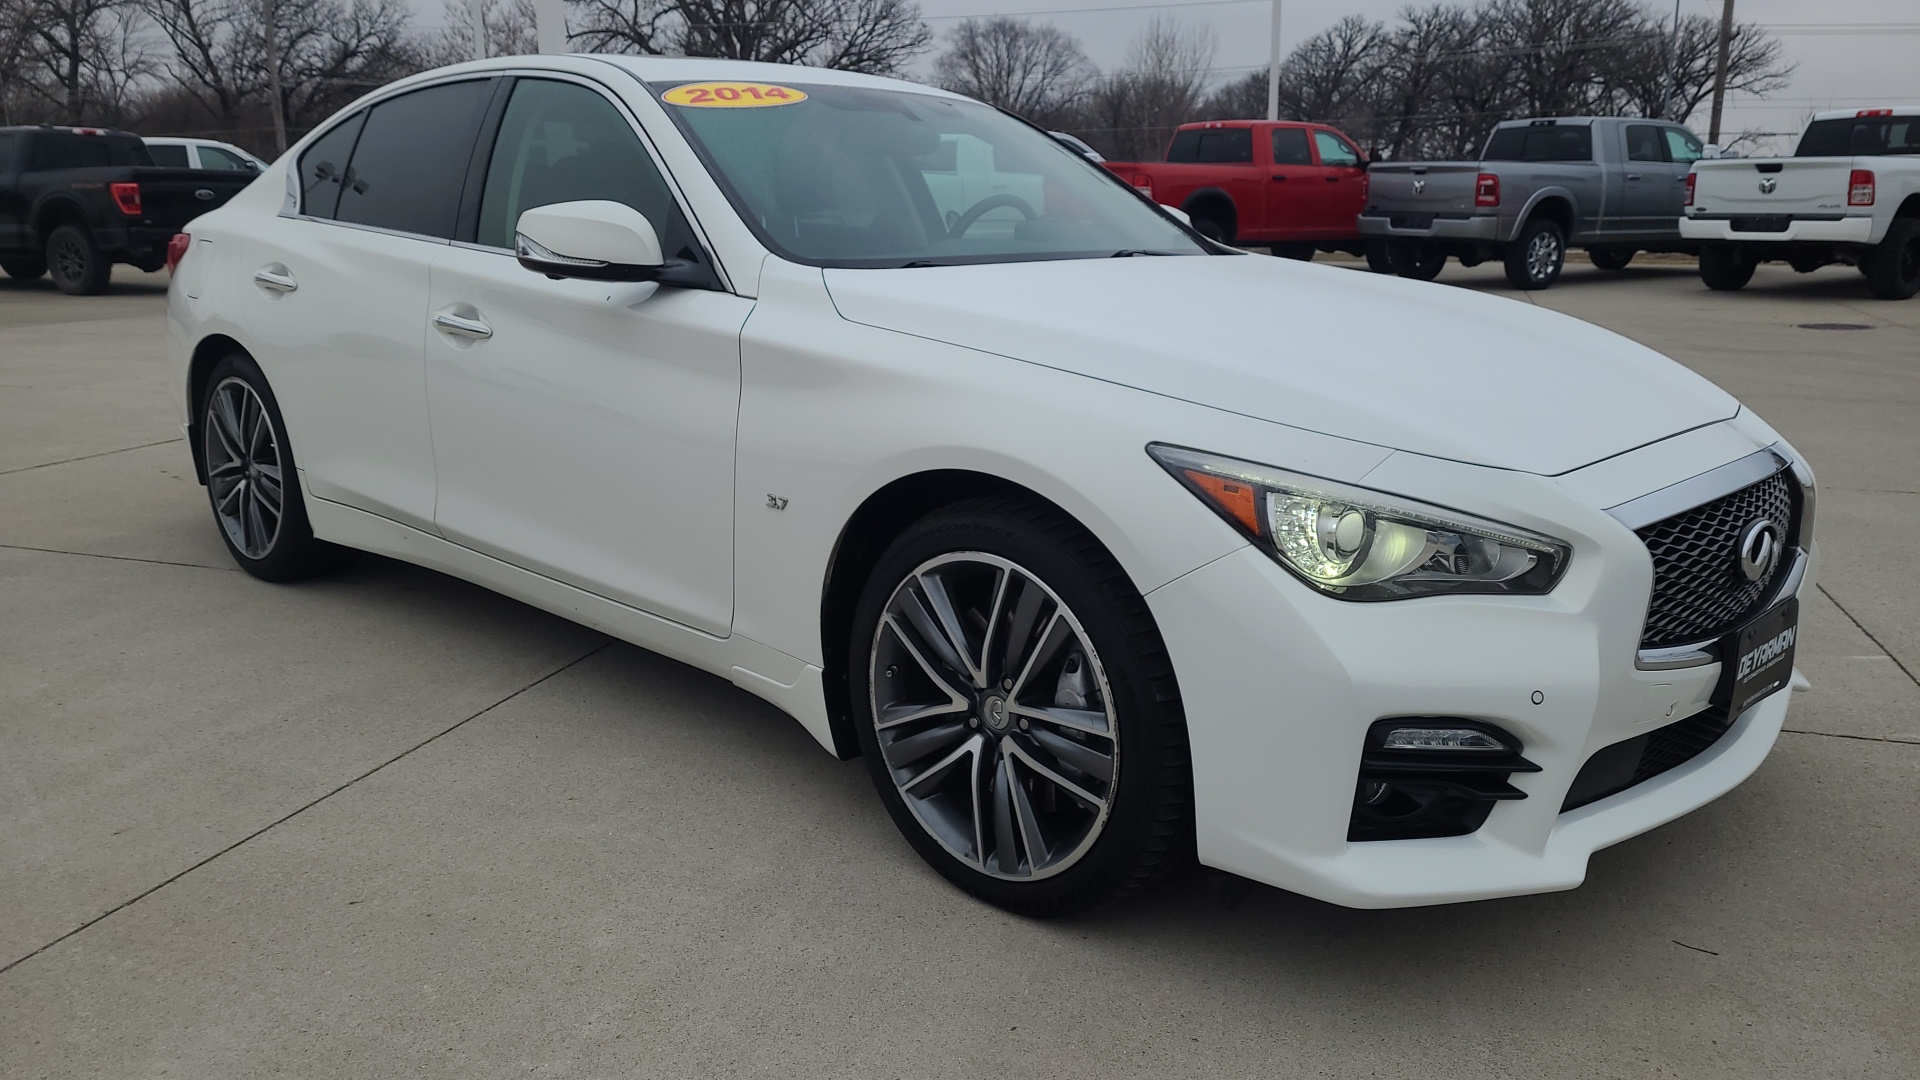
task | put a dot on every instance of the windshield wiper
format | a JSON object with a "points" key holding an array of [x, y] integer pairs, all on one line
{"points": [[1128, 253]]}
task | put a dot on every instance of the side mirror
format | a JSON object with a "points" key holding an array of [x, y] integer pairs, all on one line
{"points": [[1178, 215], [1710, 151], [596, 239]]}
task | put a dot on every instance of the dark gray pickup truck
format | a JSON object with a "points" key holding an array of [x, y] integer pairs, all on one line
{"points": [[1612, 185], [74, 201]]}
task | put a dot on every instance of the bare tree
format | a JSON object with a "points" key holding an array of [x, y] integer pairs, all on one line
{"points": [[332, 51], [1035, 70], [509, 27], [1162, 84], [218, 57], [875, 36], [79, 60]]}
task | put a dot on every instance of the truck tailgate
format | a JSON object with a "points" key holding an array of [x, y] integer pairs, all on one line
{"points": [[1435, 187], [169, 198], [1764, 187]]}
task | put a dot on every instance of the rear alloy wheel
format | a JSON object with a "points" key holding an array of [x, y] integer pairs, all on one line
{"points": [[1421, 262], [1610, 258], [1536, 256], [1726, 267], [1893, 266], [251, 480], [24, 269], [76, 262], [1017, 711]]}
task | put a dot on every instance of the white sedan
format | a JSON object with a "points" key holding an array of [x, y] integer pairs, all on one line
{"points": [[1105, 546]]}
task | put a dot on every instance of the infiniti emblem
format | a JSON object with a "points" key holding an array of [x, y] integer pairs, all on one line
{"points": [[1768, 183], [1419, 187], [1759, 550]]}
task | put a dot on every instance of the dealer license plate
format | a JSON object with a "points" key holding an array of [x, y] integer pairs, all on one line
{"points": [[1758, 657]]}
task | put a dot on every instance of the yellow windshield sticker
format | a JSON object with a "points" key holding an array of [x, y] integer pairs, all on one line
{"points": [[732, 95]]}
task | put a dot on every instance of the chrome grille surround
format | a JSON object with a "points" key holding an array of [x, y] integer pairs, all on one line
{"points": [[1698, 592]]}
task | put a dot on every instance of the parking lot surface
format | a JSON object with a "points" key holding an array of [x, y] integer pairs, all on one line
{"points": [[391, 824]]}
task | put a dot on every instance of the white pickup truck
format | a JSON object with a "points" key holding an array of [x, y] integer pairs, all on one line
{"points": [[1849, 194]]}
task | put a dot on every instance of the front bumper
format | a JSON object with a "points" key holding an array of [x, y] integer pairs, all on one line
{"points": [[1281, 684], [1478, 228], [1846, 230]]}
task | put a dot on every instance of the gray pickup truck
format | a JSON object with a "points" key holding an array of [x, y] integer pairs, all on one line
{"points": [[1612, 185]]}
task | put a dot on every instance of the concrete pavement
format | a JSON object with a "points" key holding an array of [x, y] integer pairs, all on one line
{"points": [[391, 824]]}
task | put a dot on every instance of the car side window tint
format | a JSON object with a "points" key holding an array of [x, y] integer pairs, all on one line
{"points": [[63, 151], [1290, 147], [411, 160], [1334, 150], [1682, 147], [170, 156], [562, 142], [323, 164], [212, 157], [1219, 146], [1645, 143]]}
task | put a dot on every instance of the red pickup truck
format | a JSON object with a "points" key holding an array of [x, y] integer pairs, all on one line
{"points": [[1290, 186]]}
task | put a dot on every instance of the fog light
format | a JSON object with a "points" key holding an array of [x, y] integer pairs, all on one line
{"points": [[1441, 738]]}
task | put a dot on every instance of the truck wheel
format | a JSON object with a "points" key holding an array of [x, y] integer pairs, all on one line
{"points": [[1211, 227], [1726, 267], [1535, 257], [1893, 266], [79, 268], [1421, 262], [1610, 258], [24, 269], [1379, 259]]}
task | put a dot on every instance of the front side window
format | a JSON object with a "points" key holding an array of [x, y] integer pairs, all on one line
{"points": [[1645, 143], [1334, 150], [1290, 147], [411, 159], [1217, 146], [560, 142], [862, 177], [1682, 147]]}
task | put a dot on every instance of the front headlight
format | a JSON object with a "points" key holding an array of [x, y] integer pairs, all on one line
{"points": [[1363, 545]]}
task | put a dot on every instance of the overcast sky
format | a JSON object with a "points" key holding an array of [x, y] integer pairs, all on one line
{"points": [[1849, 52]]}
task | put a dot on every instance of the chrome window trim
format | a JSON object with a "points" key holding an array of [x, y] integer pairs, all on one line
{"points": [[1700, 490]]}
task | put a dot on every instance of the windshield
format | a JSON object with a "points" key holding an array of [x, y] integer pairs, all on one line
{"points": [[859, 177]]}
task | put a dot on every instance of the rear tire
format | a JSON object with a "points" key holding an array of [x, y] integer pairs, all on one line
{"points": [[1610, 258], [1893, 266], [78, 265], [1211, 227], [1088, 697], [253, 484], [25, 269], [1535, 258], [1726, 267], [1420, 262]]}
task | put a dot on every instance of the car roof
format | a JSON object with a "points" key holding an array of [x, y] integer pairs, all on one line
{"points": [[1884, 110], [700, 69]]}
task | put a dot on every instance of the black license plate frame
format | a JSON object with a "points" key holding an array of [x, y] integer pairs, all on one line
{"points": [[1757, 659]]}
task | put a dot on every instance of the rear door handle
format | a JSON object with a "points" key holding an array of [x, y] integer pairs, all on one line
{"points": [[1633, 176], [275, 278], [459, 327]]}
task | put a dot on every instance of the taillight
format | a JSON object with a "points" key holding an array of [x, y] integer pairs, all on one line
{"points": [[1486, 190], [1691, 177], [1860, 188], [1143, 185], [177, 250], [126, 197]]}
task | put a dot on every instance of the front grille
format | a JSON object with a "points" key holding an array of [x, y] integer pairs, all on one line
{"points": [[1699, 593], [1613, 769]]}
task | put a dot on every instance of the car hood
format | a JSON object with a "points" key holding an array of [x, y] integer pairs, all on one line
{"points": [[1411, 366]]}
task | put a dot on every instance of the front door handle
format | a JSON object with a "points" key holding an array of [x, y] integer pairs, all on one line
{"points": [[1633, 176], [1333, 179], [275, 278], [459, 327], [1277, 179]]}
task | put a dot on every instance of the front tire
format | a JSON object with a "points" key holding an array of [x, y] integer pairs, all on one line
{"points": [[1537, 255], [252, 482], [1726, 267], [24, 269], [1893, 266], [1018, 711], [78, 265]]}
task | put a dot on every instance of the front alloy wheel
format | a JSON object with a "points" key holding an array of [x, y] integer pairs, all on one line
{"points": [[992, 711]]}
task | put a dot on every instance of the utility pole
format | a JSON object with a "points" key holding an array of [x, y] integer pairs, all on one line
{"points": [[271, 16], [550, 25], [1720, 69], [1673, 67], [1273, 67], [477, 14]]}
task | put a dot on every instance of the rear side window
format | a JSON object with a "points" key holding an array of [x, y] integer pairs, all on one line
{"points": [[53, 150], [411, 160], [1544, 143], [323, 164], [1290, 147], [1216, 146], [1861, 137], [173, 157], [1644, 143], [560, 142], [1334, 150]]}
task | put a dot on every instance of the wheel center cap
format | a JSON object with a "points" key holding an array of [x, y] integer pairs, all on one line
{"points": [[993, 712]]}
